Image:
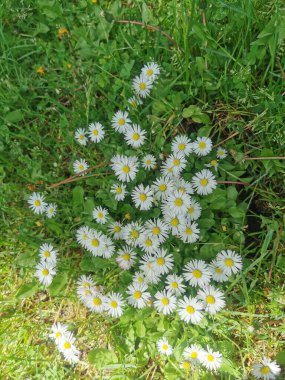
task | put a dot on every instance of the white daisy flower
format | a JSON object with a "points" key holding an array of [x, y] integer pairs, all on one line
{"points": [[50, 210], [197, 273], [95, 302], [178, 202], [134, 101], [183, 186], [80, 135], [177, 162], [202, 146], [221, 153], [113, 304], [121, 122], [83, 234], [85, 282], [151, 71], [108, 248], [157, 229], [48, 254], [126, 257], [132, 233], [189, 232], [194, 211], [148, 243], [204, 182], [210, 359], [213, 299], [138, 278], [164, 347], [218, 273], [116, 229], [142, 86], [67, 347], [100, 214], [147, 265], [142, 197], [119, 189], [95, 243], [189, 310], [79, 166], [185, 364], [58, 331], [163, 263], [138, 296], [149, 162], [135, 136], [84, 294], [45, 272], [166, 169], [125, 168], [214, 164], [37, 203], [230, 261], [162, 187], [181, 145], [165, 302], [266, 370], [175, 222], [174, 284], [193, 353], [96, 132]]}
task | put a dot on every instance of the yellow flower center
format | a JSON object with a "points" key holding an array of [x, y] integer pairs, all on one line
{"points": [[220, 153], [85, 236], [128, 216], [218, 270], [114, 304], [126, 256], [190, 309], [174, 285], [95, 132], [156, 230], [51, 210], [174, 222], [40, 70], [121, 121], [188, 231], [95, 242], [148, 243], [210, 300], [46, 253], [165, 301], [100, 215], [165, 347], [81, 167], [149, 72], [117, 229], [162, 187], [148, 162], [45, 272], [204, 182], [194, 355], [210, 358], [37, 203], [87, 293], [182, 190], [126, 169], [142, 197], [265, 370], [58, 334], [186, 364], [202, 145], [135, 234], [67, 345], [136, 136], [160, 261], [118, 190], [142, 86], [190, 210], [137, 295], [214, 163], [229, 262], [81, 137], [176, 162], [97, 301], [170, 170], [178, 202], [86, 285], [181, 146], [140, 279], [197, 273]]}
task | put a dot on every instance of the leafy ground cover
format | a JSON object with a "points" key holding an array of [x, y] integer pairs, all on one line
{"points": [[65, 64]]}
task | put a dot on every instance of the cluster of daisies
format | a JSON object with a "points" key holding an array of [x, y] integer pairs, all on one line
{"points": [[46, 268], [39, 206], [65, 342]]}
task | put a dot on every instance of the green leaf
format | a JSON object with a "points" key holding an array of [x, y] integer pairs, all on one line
{"points": [[236, 212], [101, 357], [232, 193], [27, 259], [77, 196], [58, 284], [146, 13], [92, 264], [195, 114], [14, 116], [140, 329], [27, 290], [280, 357], [41, 28]]}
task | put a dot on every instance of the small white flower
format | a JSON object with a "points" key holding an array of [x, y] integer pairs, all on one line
{"points": [[108, 248], [100, 214], [214, 164], [96, 132], [181, 144], [134, 101], [37, 203], [132, 233], [163, 263], [178, 202], [58, 331], [138, 296], [175, 222], [148, 243], [174, 284], [213, 299], [50, 210], [116, 229], [183, 186], [138, 278], [266, 370], [230, 261], [151, 71], [164, 347], [79, 166], [177, 162], [142, 86], [67, 348], [96, 243], [221, 153], [142, 197], [210, 359], [95, 302], [121, 121], [194, 211], [189, 310], [162, 187], [185, 364], [85, 282], [135, 136], [193, 353], [119, 189], [48, 254], [83, 234], [204, 182], [125, 168], [218, 273], [149, 162], [80, 135], [157, 229], [189, 232], [126, 257], [197, 272], [165, 302], [202, 146], [45, 272], [113, 304]]}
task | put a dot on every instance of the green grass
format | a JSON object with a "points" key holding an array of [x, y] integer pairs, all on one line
{"points": [[229, 62]]}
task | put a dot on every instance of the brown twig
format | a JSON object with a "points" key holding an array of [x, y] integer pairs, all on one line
{"points": [[149, 27], [234, 183], [275, 251], [265, 158]]}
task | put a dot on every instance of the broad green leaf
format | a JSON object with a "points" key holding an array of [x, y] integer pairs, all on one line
{"points": [[101, 357], [14, 116], [58, 283], [140, 329], [92, 264], [27, 290], [78, 196], [27, 259]]}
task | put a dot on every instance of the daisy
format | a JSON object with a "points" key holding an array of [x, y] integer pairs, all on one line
{"points": [[95, 243], [142, 86], [267, 370], [197, 272], [116, 229], [51, 210], [151, 71], [174, 284], [204, 182], [85, 282], [185, 364], [213, 299], [221, 153], [138, 296], [194, 211], [164, 347], [162, 187], [96, 132], [202, 146], [125, 168], [80, 135], [48, 254], [176, 223], [113, 304], [37, 203], [121, 122], [142, 197], [214, 164], [189, 310], [189, 233], [178, 202], [100, 214], [183, 186], [148, 243], [163, 263], [210, 359], [157, 229], [119, 189], [230, 261], [95, 302], [177, 162], [149, 162], [108, 248], [58, 331], [45, 272], [126, 257], [135, 136], [134, 101], [218, 273], [165, 302], [181, 144], [83, 234], [79, 166], [138, 278], [67, 348], [147, 265], [193, 353], [132, 233]]}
